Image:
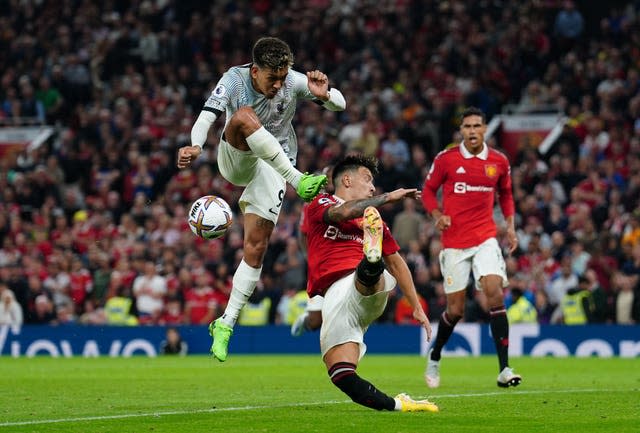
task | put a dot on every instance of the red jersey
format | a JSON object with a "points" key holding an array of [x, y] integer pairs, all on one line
{"points": [[335, 250], [200, 301], [304, 226], [469, 184], [80, 285]]}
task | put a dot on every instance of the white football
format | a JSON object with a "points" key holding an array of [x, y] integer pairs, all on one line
{"points": [[210, 217]]}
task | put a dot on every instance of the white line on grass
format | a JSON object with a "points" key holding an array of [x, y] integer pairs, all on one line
{"points": [[239, 408]]}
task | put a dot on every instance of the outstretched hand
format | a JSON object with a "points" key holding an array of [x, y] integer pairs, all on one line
{"points": [[401, 193], [187, 154]]}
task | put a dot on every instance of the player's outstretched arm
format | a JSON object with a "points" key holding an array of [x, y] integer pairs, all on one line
{"points": [[401, 193], [355, 208]]}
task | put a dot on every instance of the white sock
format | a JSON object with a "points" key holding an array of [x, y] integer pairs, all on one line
{"points": [[266, 147], [244, 283], [305, 315], [398, 404]]}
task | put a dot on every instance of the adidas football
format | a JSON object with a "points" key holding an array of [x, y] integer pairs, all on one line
{"points": [[210, 217]]}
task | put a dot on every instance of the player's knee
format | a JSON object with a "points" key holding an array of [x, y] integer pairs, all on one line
{"points": [[497, 300], [369, 273], [455, 313], [245, 119], [254, 253], [491, 284], [455, 304], [254, 250]]}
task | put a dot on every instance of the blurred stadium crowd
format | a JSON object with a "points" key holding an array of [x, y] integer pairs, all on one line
{"points": [[93, 222]]}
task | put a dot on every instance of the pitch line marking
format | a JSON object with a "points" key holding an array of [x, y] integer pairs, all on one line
{"points": [[315, 403]]}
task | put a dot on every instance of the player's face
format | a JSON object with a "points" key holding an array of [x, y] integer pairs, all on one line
{"points": [[473, 129], [362, 184], [268, 81]]}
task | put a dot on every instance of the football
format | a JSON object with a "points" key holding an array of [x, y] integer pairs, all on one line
{"points": [[210, 217]]}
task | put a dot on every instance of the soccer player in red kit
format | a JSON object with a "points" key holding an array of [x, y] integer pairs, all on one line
{"points": [[349, 247], [470, 175]]}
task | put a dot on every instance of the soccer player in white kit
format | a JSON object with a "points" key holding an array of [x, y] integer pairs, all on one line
{"points": [[257, 150], [471, 175]]}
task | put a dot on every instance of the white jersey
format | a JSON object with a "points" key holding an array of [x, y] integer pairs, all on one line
{"points": [[234, 90]]}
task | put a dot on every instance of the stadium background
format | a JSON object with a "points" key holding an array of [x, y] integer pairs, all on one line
{"points": [[86, 211]]}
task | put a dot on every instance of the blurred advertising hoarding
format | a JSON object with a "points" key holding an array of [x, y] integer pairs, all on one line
{"points": [[468, 339]]}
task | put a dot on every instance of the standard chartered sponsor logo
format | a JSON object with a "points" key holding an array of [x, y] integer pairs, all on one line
{"points": [[463, 187]]}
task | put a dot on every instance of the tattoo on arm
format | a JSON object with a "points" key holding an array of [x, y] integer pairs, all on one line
{"points": [[352, 209]]}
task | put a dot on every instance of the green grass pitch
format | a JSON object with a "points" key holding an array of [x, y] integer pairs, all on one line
{"points": [[293, 394]]}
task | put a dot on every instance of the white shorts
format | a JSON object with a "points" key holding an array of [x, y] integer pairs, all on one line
{"points": [[315, 303], [346, 313], [264, 187], [484, 259]]}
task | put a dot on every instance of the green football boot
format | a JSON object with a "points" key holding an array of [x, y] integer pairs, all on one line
{"points": [[220, 334], [310, 185]]}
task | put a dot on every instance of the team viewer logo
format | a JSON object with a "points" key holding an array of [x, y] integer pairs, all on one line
{"points": [[460, 187], [491, 170]]}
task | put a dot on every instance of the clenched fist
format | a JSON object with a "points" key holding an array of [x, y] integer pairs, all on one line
{"points": [[187, 154]]}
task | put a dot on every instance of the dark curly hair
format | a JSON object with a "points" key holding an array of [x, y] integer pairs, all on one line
{"points": [[272, 53], [353, 162]]}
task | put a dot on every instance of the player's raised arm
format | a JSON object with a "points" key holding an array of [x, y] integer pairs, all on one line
{"points": [[332, 99]]}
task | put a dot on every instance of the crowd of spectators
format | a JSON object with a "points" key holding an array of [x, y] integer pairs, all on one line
{"points": [[93, 221]]}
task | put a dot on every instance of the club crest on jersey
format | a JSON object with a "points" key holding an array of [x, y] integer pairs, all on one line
{"points": [[219, 91], [491, 170]]}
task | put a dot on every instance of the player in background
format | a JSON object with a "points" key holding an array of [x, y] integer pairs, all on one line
{"points": [[311, 319], [257, 150], [471, 174], [349, 247]]}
